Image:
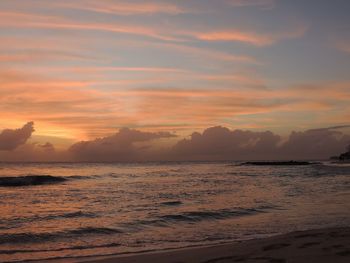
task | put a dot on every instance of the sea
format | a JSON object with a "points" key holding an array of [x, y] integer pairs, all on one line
{"points": [[74, 210]]}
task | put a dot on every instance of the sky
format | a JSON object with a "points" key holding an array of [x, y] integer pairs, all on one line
{"points": [[150, 80]]}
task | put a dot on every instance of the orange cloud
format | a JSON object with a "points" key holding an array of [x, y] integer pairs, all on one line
{"points": [[22, 20], [266, 4], [24, 51], [40, 56], [123, 7], [71, 108], [130, 69], [205, 53], [253, 38], [250, 38], [170, 33]]}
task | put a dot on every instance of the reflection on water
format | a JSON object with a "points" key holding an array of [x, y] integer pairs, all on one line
{"points": [[69, 210]]}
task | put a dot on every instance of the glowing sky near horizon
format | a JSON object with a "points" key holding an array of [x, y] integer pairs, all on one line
{"points": [[81, 69]]}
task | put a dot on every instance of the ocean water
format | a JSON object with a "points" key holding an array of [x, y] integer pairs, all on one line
{"points": [[73, 210]]}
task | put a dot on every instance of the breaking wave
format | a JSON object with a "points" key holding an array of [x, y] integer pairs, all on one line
{"points": [[29, 180], [171, 203]]}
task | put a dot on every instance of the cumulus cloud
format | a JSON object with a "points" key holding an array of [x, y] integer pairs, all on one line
{"points": [[121, 146], [315, 143], [11, 139], [34, 152], [14, 147], [47, 147], [214, 143], [219, 143]]}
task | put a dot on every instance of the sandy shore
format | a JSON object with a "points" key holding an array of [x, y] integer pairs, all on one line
{"points": [[321, 245]]}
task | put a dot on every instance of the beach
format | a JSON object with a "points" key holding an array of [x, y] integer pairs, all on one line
{"points": [[319, 245]]}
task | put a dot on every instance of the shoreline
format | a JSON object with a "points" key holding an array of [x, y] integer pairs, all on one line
{"points": [[317, 245]]}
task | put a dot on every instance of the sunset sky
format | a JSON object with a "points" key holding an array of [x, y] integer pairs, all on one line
{"points": [[84, 69]]}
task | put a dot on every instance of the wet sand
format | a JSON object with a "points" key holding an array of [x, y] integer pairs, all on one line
{"points": [[320, 245]]}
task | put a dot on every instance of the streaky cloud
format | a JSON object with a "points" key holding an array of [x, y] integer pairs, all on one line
{"points": [[264, 4], [124, 8], [258, 39], [332, 128]]}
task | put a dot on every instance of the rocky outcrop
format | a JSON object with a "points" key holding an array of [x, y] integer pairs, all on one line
{"points": [[277, 163], [344, 156]]}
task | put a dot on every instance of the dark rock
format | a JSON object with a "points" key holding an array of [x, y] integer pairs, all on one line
{"points": [[278, 163]]}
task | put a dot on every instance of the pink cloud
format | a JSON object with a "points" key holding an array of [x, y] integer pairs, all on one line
{"points": [[265, 4], [248, 37], [23, 20], [124, 7]]}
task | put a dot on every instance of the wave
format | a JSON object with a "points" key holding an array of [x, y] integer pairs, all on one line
{"points": [[29, 180], [332, 168], [81, 176], [13, 222], [71, 215], [197, 216], [19, 238], [171, 203]]}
